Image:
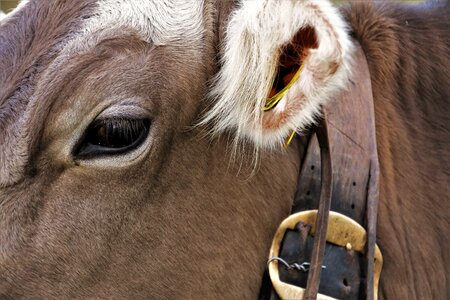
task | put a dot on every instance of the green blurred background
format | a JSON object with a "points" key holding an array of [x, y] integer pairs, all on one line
{"points": [[8, 5]]}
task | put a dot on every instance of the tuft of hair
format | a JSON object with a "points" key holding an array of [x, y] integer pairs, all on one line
{"points": [[255, 35]]}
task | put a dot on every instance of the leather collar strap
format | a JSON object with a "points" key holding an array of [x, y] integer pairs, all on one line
{"points": [[320, 239], [339, 172]]}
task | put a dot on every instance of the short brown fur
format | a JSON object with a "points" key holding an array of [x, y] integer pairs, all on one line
{"points": [[407, 49]]}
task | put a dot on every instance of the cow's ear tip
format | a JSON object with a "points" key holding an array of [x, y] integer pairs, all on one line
{"points": [[266, 43]]}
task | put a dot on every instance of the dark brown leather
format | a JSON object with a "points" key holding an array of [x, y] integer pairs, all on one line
{"points": [[326, 178], [352, 140], [344, 280]]}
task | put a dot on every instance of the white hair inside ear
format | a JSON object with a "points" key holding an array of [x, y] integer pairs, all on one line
{"points": [[310, 34]]}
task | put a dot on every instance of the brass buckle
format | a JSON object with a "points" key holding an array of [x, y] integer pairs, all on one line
{"points": [[342, 231]]}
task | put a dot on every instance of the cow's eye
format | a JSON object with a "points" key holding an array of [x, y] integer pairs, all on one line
{"points": [[113, 136]]}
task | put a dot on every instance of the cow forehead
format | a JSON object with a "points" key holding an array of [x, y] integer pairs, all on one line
{"points": [[160, 22]]}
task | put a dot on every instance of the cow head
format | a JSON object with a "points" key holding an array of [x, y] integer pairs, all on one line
{"points": [[109, 186]]}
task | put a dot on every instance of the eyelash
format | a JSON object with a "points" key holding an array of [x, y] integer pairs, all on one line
{"points": [[113, 136], [118, 128]]}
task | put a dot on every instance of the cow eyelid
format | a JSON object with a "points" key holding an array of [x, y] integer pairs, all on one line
{"points": [[112, 136]]}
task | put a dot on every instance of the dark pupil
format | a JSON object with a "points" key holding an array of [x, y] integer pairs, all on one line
{"points": [[116, 133]]}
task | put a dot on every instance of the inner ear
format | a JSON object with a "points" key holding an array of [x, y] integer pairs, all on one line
{"points": [[292, 57]]}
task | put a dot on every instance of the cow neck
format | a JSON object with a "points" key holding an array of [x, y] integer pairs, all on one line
{"points": [[339, 173]]}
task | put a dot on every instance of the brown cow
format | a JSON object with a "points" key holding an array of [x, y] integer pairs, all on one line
{"points": [[108, 191]]}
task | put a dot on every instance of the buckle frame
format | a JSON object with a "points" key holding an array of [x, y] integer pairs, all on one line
{"points": [[341, 231]]}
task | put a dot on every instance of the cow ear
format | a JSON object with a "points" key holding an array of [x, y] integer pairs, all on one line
{"points": [[297, 51]]}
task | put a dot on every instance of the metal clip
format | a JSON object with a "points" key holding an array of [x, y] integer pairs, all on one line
{"points": [[304, 267]]}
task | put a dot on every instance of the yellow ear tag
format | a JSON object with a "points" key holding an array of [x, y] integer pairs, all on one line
{"points": [[273, 101], [289, 139]]}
